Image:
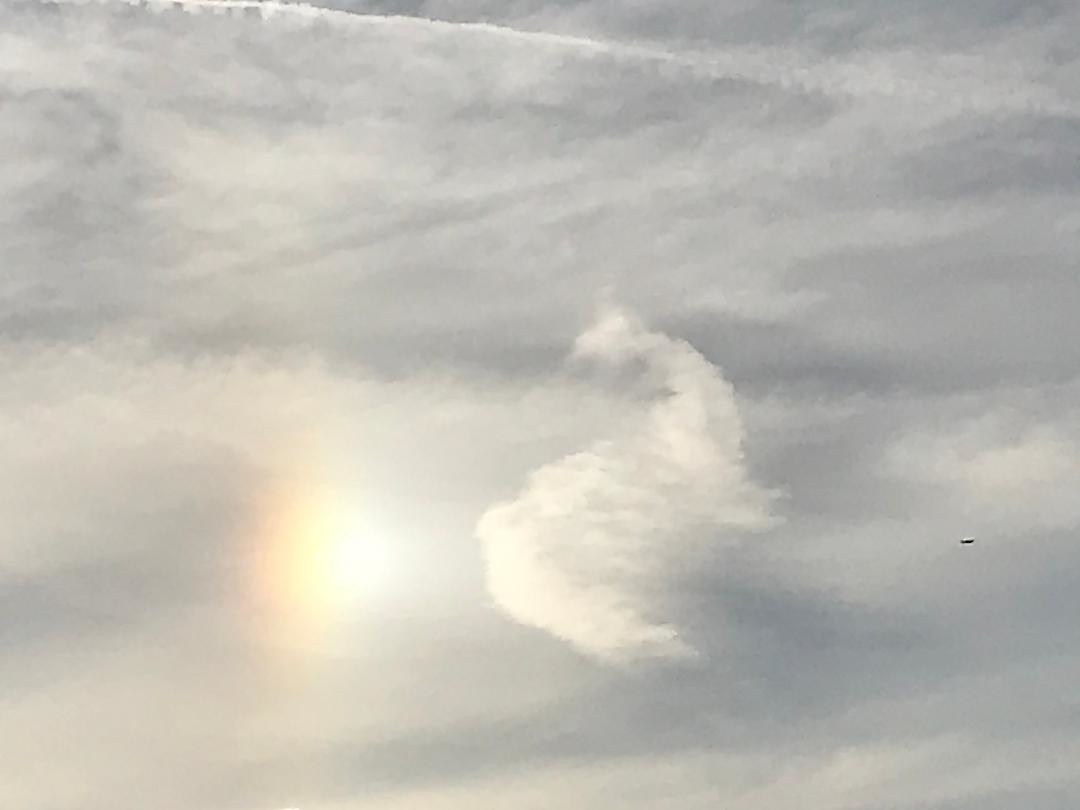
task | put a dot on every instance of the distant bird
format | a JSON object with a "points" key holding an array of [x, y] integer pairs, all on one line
{"points": [[967, 541]]}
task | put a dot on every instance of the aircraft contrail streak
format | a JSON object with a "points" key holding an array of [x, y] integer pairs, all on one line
{"points": [[971, 89]]}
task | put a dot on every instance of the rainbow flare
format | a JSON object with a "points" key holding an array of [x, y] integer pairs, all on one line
{"points": [[314, 562]]}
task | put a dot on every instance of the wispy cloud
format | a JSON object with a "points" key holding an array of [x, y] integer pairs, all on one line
{"points": [[583, 549], [251, 247], [971, 83], [1002, 470]]}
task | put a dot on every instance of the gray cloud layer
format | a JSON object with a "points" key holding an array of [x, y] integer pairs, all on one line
{"points": [[261, 257]]}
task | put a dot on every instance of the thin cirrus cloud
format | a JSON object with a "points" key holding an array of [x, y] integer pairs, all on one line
{"points": [[580, 549], [256, 251], [971, 83], [998, 468]]}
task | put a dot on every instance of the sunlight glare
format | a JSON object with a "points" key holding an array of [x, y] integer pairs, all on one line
{"points": [[360, 564]]}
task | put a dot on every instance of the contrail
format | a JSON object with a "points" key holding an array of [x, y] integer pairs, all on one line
{"points": [[954, 91], [271, 8]]}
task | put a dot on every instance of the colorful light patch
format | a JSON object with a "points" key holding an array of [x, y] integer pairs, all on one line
{"points": [[316, 563]]}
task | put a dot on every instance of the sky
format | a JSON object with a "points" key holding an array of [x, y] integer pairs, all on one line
{"points": [[463, 405]]}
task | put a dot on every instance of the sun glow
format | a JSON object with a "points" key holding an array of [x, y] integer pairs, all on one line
{"points": [[319, 561], [357, 564]]}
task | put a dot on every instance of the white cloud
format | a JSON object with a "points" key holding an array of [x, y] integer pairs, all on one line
{"points": [[342, 252], [579, 551], [969, 82], [998, 469]]}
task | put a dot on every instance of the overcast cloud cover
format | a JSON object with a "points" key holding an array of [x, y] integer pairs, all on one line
{"points": [[651, 358]]}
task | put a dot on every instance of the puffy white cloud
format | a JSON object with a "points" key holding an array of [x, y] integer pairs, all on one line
{"points": [[583, 549]]}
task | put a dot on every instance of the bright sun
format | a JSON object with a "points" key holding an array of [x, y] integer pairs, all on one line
{"points": [[321, 562], [358, 563]]}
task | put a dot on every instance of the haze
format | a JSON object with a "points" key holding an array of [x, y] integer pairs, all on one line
{"points": [[579, 404]]}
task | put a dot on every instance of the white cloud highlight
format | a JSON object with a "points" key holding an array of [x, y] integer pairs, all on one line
{"points": [[969, 83], [587, 545], [1008, 473]]}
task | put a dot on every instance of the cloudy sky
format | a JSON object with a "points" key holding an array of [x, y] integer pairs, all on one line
{"points": [[471, 405]]}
